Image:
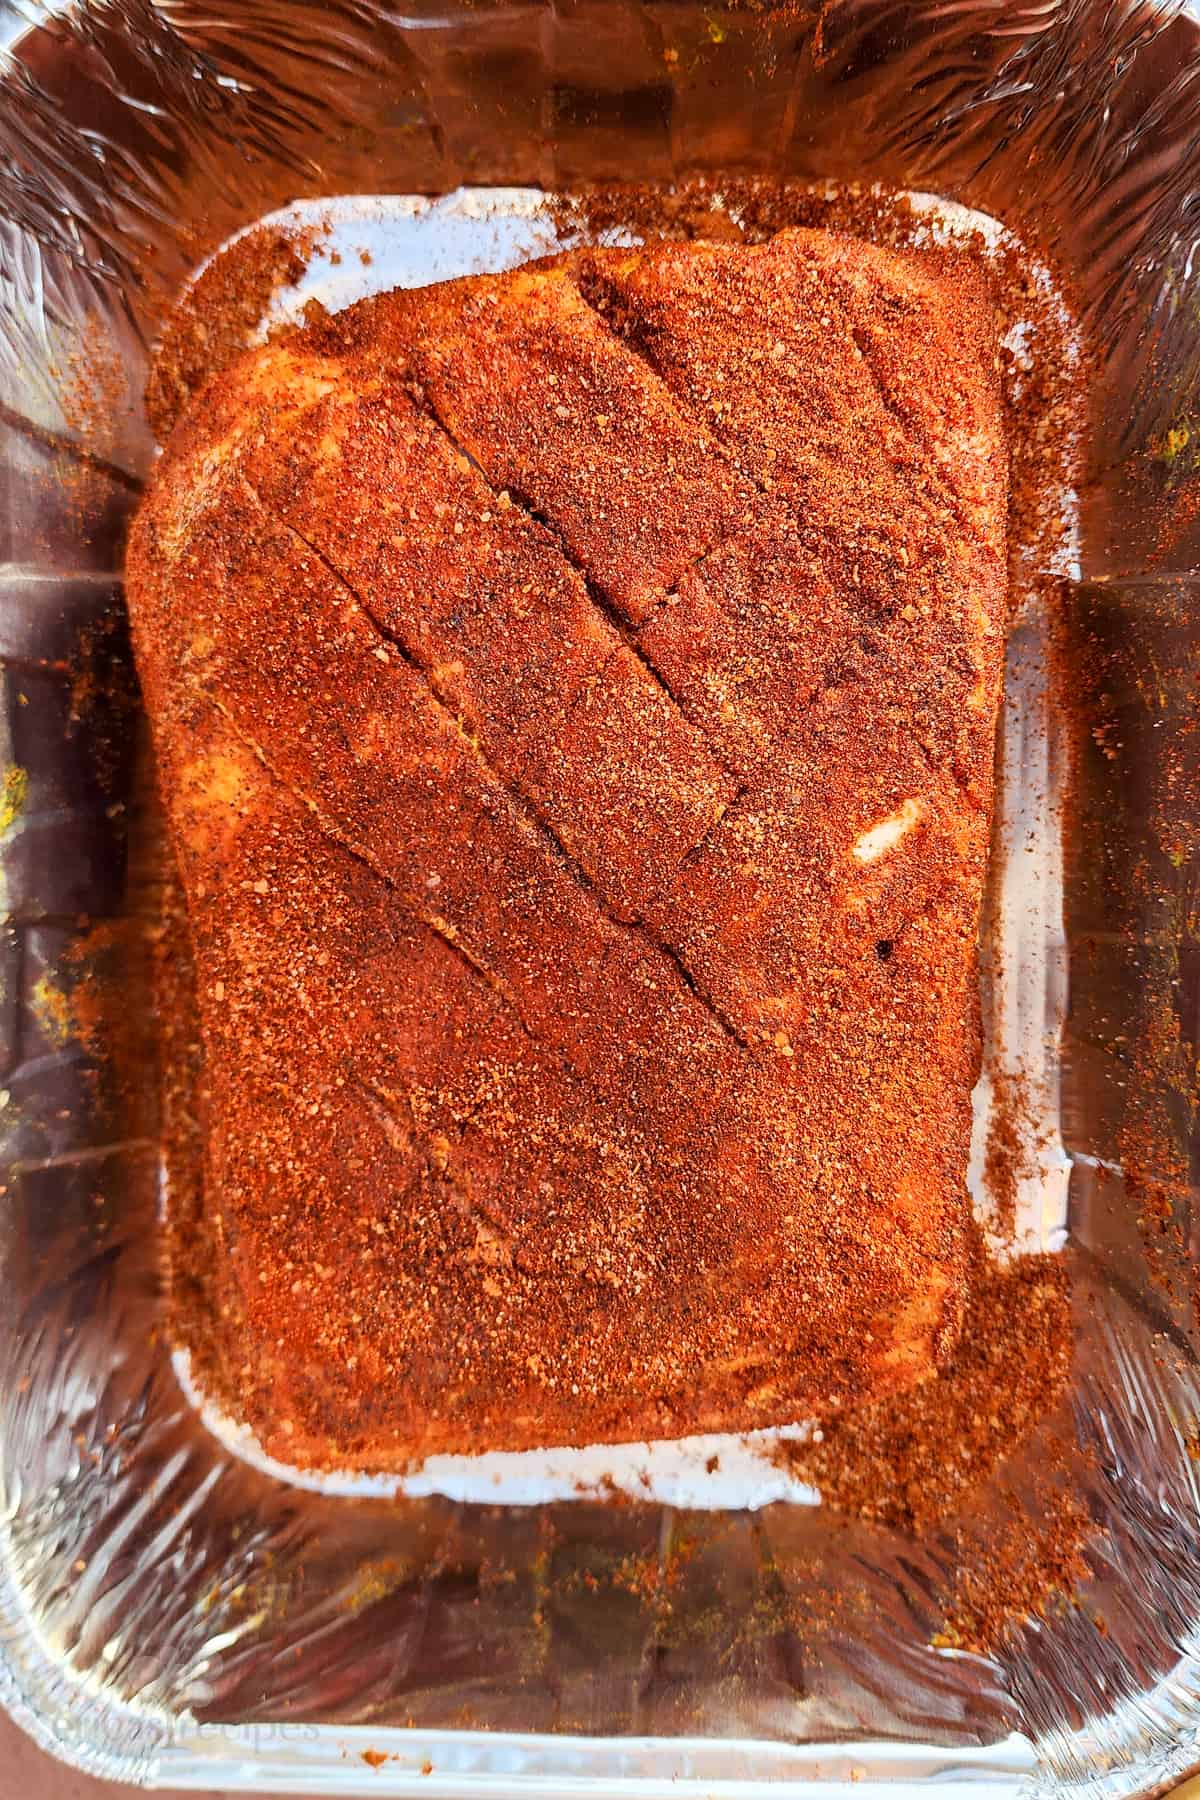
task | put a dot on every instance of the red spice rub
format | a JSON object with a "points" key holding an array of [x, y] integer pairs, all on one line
{"points": [[218, 316], [581, 793], [940, 1462], [913, 1460]]}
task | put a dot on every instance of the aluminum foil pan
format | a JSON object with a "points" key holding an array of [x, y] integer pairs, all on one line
{"points": [[171, 1614]]}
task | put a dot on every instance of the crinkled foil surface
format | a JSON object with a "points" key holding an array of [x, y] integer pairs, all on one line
{"points": [[168, 1613]]}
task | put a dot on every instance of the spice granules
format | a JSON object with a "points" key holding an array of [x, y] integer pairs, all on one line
{"points": [[931, 1463], [217, 316], [1009, 1157], [1021, 1562], [912, 1459]]}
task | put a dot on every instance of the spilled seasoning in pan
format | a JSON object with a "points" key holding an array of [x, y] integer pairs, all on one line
{"points": [[218, 314], [932, 1462], [935, 1462]]}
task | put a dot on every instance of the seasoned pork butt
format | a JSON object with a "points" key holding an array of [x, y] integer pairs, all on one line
{"points": [[574, 694]]}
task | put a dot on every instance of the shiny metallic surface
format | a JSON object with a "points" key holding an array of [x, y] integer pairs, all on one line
{"points": [[171, 1615]]}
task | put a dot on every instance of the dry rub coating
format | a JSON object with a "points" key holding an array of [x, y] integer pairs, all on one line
{"points": [[574, 695]]}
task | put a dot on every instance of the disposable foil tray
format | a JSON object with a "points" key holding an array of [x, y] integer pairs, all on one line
{"points": [[170, 1612]]}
